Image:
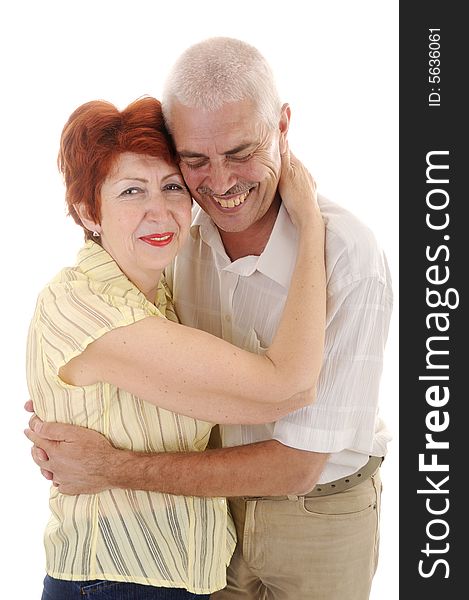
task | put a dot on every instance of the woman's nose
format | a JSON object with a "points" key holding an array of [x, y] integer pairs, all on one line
{"points": [[157, 207]]}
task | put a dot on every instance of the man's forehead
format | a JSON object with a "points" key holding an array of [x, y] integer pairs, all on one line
{"points": [[230, 129]]}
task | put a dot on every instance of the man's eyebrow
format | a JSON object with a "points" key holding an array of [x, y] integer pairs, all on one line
{"points": [[239, 148], [190, 154]]}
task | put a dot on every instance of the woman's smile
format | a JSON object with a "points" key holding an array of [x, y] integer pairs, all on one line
{"points": [[158, 239]]}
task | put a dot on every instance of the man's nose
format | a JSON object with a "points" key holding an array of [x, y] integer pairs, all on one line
{"points": [[220, 179]]}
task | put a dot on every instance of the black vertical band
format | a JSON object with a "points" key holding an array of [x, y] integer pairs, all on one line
{"points": [[434, 349]]}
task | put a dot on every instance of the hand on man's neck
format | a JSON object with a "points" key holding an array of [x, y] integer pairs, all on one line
{"points": [[253, 240]]}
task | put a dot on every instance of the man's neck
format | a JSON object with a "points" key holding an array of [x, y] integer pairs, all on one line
{"points": [[251, 241]]}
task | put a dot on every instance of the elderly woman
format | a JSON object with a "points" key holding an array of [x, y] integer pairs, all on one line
{"points": [[105, 352]]}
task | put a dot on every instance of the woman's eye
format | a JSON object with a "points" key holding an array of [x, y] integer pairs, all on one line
{"points": [[175, 186], [131, 191]]}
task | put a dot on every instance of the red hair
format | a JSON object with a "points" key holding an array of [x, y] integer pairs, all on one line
{"points": [[95, 134]]}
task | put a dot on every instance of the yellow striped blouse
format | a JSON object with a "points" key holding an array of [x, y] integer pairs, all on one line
{"points": [[120, 535]]}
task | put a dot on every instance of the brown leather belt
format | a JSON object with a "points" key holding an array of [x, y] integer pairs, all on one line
{"points": [[334, 487]]}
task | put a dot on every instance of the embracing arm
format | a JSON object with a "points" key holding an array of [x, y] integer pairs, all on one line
{"points": [[261, 469], [83, 461], [194, 373]]}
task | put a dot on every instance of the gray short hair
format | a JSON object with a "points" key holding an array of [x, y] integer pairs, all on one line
{"points": [[219, 70]]}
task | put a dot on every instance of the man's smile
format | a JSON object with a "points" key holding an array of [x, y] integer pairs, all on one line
{"points": [[231, 201]]}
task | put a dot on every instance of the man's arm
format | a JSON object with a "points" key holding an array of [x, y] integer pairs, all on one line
{"points": [[83, 461]]}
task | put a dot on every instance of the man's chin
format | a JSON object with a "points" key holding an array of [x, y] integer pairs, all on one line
{"points": [[228, 219], [230, 225], [239, 218]]}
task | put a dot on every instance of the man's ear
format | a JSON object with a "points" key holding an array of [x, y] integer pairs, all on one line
{"points": [[85, 219], [283, 126]]}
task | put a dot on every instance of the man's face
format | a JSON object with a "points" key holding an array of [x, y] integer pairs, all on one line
{"points": [[230, 161]]}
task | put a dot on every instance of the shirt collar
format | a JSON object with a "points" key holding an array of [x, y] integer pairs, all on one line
{"points": [[98, 265], [278, 259], [276, 262], [203, 227]]}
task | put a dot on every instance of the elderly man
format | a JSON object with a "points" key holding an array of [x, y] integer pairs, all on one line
{"points": [[305, 490]]}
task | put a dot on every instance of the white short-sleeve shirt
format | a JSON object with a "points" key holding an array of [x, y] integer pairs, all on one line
{"points": [[242, 302]]}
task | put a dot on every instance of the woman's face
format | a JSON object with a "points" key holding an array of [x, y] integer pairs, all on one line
{"points": [[145, 217]]}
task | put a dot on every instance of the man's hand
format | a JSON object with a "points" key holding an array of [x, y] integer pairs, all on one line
{"points": [[38, 453], [76, 459]]}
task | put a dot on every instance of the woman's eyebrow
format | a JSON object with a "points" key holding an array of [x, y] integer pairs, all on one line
{"points": [[143, 180], [170, 175]]}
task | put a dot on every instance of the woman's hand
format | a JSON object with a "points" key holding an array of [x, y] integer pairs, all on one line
{"points": [[298, 190]]}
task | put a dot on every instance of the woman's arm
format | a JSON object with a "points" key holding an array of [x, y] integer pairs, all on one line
{"points": [[194, 373]]}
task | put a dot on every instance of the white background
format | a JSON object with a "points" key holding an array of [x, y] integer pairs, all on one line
{"points": [[335, 63]]}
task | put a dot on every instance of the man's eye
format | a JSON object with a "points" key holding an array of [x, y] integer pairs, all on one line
{"points": [[196, 164], [244, 158]]}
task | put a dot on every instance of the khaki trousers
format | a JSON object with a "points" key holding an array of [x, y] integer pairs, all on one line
{"points": [[321, 548]]}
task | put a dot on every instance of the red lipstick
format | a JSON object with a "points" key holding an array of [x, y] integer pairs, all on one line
{"points": [[158, 239]]}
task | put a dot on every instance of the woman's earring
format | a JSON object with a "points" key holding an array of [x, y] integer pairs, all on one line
{"points": [[95, 234]]}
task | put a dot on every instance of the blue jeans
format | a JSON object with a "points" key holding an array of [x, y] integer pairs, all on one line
{"points": [[58, 589]]}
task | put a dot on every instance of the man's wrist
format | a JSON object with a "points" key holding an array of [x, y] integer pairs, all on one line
{"points": [[134, 470]]}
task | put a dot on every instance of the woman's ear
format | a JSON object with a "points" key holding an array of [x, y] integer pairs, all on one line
{"points": [[88, 223], [283, 126]]}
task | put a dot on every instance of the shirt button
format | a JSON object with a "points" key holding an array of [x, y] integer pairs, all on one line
{"points": [[228, 318]]}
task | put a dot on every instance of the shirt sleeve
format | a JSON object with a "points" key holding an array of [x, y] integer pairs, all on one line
{"points": [[73, 314], [344, 413]]}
